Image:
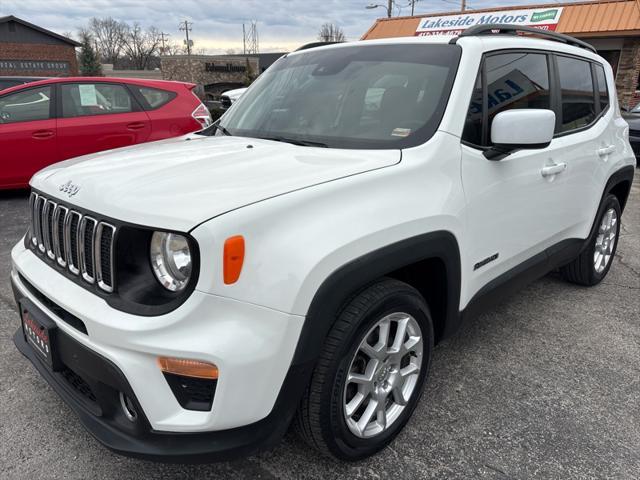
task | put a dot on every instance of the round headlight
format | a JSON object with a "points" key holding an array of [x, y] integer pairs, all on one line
{"points": [[171, 260]]}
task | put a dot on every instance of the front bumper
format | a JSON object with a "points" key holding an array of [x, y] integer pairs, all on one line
{"points": [[139, 439], [255, 397]]}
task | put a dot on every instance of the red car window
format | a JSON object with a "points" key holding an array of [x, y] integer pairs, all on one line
{"points": [[81, 99], [26, 105]]}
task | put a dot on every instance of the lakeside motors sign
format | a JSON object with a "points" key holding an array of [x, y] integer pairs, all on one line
{"points": [[542, 18]]}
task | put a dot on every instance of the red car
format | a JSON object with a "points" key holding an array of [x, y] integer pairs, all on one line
{"points": [[52, 120]]}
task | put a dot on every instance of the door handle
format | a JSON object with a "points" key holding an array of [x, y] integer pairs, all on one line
{"points": [[553, 169], [42, 134], [603, 152], [136, 125]]}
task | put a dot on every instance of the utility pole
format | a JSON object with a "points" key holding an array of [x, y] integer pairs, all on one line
{"points": [[164, 37], [389, 8], [463, 5], [413, 6], [186, 28], [244, 40]]}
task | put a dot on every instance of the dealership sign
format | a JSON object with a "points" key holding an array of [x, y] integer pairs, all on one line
{"points": [[542, 18]]}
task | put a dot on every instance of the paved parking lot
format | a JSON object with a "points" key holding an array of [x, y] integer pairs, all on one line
{"points": [[547, 385]]}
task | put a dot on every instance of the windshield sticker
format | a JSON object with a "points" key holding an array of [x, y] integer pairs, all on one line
{"points": [[401, 132]]}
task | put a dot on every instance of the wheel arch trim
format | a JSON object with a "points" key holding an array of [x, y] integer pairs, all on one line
{"points": [[619, 178], [347, 280]]}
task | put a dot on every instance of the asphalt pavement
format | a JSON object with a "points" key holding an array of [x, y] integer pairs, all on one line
{"points": [[546, 385]]}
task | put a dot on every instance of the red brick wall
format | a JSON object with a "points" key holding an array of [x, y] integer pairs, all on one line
{"points": [[40, 52], [628, 71]]}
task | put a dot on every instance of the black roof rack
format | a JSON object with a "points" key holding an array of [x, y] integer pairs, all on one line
{"points": [[314, 45], [513, 29]]}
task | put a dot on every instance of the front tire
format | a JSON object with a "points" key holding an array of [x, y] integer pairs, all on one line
{"points": [[370, 374], [593, 264]]}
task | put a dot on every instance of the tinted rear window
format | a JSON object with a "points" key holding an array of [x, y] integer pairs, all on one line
{"points": [[577, 92], [602, 87], [156, 97]]}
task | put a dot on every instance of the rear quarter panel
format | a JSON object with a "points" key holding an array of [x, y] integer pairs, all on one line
{"points": [[174, 118]]}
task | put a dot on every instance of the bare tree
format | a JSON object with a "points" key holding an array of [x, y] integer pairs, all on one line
{"points": [[109, 36], [172, 48], [141, 46], [330, 32]]}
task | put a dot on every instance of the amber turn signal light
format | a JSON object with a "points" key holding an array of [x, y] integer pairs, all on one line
{"points": [[188, 368], [233, 258]]}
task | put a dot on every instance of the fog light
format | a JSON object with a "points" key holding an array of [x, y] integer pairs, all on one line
{"points": [[128, 408]]}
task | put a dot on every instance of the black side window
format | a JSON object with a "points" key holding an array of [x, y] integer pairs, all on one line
{"points": [[514, 81], [83, 99], [577, 93], [602, 87], [155, 97], [473, 123], [26, 105]]}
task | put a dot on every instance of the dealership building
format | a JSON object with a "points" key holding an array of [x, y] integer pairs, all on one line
{"points": [[29, 50], [612, 27], [216, 73]]}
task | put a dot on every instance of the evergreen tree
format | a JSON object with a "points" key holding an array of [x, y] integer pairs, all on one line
{"points": [[249, 75], [89, 62]]}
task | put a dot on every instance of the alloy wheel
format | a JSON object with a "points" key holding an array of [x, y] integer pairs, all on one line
{"points": [[605, 240], [383, 375]]}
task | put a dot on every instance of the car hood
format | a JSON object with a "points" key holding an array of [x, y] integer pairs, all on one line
{"points": [[179, 183]]}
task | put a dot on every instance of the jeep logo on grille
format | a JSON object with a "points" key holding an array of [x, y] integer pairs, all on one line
{"points": [[69, 188]]}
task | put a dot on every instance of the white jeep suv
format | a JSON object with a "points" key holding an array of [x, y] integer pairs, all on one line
{"points": [[296, 262]]}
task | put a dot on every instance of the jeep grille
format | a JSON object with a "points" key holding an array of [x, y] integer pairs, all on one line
{"points": [[73, 241]]}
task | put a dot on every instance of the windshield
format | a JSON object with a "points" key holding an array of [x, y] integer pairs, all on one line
{"points": [[363, 96]]}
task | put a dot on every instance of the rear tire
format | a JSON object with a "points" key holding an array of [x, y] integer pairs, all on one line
{"points": [[370, 374], [593, 264]]}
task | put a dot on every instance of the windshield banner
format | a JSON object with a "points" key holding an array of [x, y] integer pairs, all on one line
{"points": [[542, 18]]}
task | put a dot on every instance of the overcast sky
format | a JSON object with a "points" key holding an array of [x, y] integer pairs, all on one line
{"points": [[217, 24]]}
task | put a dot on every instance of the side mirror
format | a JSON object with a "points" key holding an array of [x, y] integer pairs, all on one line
{"points": [[518, 129]]}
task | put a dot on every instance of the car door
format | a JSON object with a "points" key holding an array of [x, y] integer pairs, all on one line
{"points": [[584, 142], [97, 116], [512, 204], [27, 134]]}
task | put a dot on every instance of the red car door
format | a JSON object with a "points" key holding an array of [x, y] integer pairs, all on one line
{"points": [[97, 116], [27, 135]]}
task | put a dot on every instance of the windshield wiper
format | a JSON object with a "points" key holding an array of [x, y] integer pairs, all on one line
{"points": [[212, 128], [295, 141]]}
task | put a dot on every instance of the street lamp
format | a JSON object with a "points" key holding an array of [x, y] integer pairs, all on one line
{"points": [[388, 6]]}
